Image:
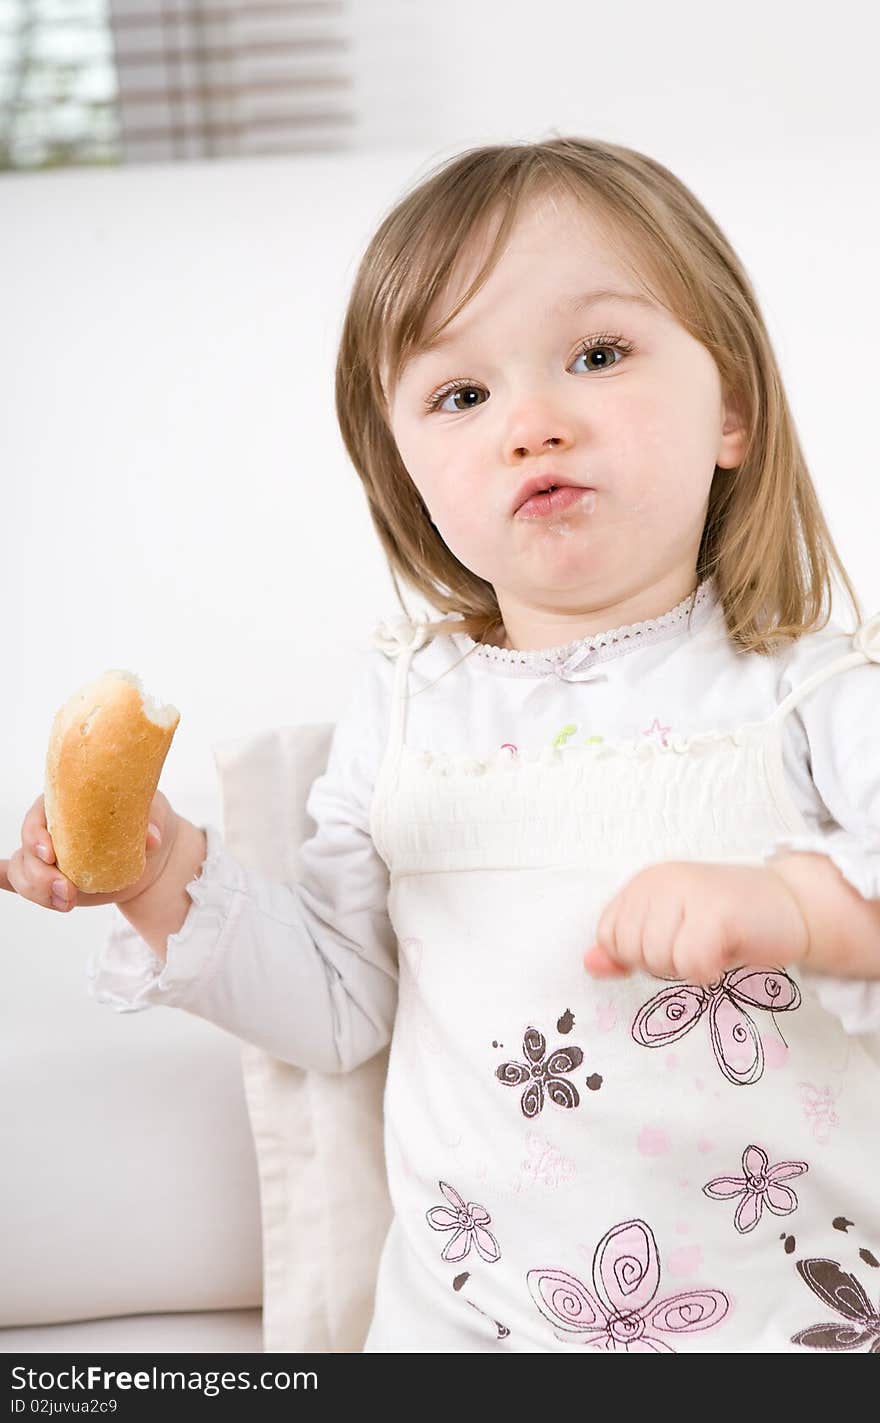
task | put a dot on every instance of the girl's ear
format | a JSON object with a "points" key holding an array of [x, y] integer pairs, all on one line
{"points": [[732, 445]]}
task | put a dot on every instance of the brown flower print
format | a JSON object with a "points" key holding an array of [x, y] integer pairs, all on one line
{"points": [[845, 1295], [469, 1223], [760, 1185], [542, 1074]]}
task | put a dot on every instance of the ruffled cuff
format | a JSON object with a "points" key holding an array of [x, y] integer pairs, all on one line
{"points": [[855, 1001], [127, 975]]}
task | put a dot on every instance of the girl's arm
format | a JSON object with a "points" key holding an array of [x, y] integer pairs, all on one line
{"points": [[306, 972], [843, 926], [839, 871], [161, 910], [838, 726]]}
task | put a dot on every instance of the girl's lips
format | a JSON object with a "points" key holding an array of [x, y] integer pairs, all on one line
{"points": [[555, 501]]}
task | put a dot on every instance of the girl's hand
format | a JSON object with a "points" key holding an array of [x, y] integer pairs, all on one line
{"points": [[692, 921], [34, 875]]}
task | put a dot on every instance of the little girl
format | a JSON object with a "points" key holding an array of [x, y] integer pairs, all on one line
{"points": [[598, 850]]}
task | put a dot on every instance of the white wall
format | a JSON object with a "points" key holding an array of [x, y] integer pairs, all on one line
{"points": [[176, 498], [761, 77]]}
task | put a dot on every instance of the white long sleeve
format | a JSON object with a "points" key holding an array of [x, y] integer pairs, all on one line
{"points": [[308, 973], [840, 724]]}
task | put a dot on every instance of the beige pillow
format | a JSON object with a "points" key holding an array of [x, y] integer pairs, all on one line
{"points": [[323, 1190]]}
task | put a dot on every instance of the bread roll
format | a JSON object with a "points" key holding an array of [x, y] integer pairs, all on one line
{"points": [[107, 746]]}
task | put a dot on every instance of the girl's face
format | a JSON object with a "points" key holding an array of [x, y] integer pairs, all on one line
{"points": [[511, 394]]}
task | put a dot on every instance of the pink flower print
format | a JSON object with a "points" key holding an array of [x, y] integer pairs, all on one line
{"points": [[759, 1186], [545, 1164], [735, 1040], [542, 1076], [469, 1223], [622, 1317], [819, 1110]]}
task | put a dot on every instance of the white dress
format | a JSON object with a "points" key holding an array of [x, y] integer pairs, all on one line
{"points": [[626, 1165]]}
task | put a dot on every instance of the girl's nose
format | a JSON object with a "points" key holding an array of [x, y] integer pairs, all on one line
{"points": [[532, 432], [552, 442]]}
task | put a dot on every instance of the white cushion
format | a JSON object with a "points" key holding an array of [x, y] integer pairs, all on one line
{"points": [[218, 1332], [129, 1181], [318, 1137]]}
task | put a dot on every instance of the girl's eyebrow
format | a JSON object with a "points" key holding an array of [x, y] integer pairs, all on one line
{"points": [[607, 294], [571, 305]]}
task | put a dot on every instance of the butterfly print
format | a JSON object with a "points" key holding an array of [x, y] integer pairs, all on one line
{"points": [[843, 1294], [622, 1316], [736, 1042]]}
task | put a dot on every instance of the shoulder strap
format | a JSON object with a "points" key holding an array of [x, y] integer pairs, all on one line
{"points": [[866, 648], [399, 640]]}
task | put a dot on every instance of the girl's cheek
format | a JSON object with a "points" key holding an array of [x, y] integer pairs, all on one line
{"points": [[470, 535]]}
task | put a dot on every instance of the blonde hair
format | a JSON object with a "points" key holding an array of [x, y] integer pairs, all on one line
{"points": [[765, 538]]}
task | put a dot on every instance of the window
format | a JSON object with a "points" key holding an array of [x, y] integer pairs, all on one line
{"points": [[58, 94]]}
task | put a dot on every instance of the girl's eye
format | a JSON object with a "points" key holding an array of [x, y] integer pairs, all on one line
{"points": [[466, 389], [601, 344], [451, 392]]}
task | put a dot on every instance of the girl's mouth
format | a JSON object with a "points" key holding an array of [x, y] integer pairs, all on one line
{"points": [[555, 500]]}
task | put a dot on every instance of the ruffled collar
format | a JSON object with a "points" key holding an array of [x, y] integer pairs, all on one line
{"points": [[581, 655]]}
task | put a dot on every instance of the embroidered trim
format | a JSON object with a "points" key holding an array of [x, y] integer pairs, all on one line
{"points": [[539, 657], [445, 763], [600, 639]]}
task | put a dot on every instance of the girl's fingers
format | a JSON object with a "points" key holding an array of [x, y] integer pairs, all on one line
{"points": [[602, 965], [42, 884], [33, 872], [62, 894], [35, 835]]}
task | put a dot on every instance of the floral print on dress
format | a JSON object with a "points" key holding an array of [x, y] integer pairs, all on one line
{"points": [[542, 1074], [760, 1185], [818, 1105], [843, 1294], [735, 1040], [469, 1223], [622, 1316], [544, 1165]]}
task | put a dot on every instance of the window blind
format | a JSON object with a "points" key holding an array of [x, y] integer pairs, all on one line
{"points": [[211, 78]]}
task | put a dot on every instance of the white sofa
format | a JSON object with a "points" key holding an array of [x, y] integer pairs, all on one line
{"points": [[129, 1195], [131, 1162]]}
